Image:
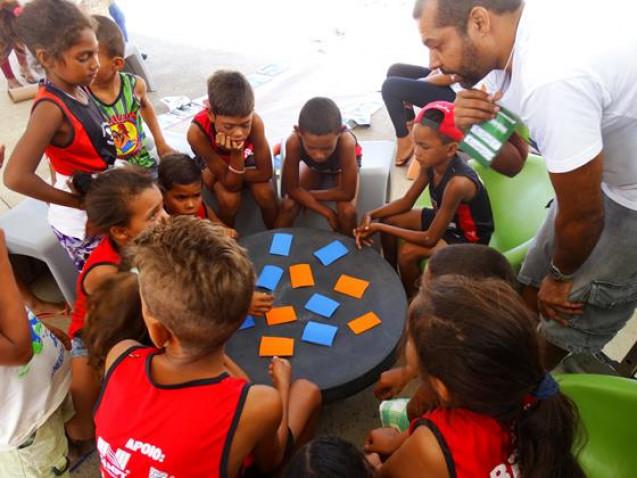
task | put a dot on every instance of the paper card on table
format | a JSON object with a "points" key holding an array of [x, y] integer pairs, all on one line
{"points": [[301, 276], [331, 253], [280, 315], [364, 323], [320, 334], [351, 286], [269, 277], [281, 244], [321, 305], [276, 346], [248, 323]]}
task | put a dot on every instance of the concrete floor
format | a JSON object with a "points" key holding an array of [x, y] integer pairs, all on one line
{"points": [[343, 57]]}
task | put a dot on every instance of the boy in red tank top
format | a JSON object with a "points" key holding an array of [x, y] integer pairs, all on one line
{"points": [[175, 410], [229, 137]]}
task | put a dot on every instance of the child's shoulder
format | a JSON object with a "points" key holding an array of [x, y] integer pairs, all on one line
{"points": [[263, 405]]}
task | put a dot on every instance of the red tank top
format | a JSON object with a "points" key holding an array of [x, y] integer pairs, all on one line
{"points": [[203, 122], [148, 430], [202, 213], [474, 445], [91, 149], [104, 253]]}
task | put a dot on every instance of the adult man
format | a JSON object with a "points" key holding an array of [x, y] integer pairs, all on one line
{"points": [[568, 70]]}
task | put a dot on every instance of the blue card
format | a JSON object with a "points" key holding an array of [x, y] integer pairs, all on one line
{"points": [[281, 244], [320, 334], [321, 305], [270, 277], [248, 323], [330, 253]]}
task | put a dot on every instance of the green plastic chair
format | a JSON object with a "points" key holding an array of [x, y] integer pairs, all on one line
{"points": [[608, 412], [518, 204]]}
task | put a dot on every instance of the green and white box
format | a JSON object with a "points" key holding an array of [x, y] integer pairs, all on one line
{"points": [[484, 141]]}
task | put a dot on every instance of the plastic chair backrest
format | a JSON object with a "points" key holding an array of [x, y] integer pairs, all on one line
{"points": [[608, 411], [518, 203]]}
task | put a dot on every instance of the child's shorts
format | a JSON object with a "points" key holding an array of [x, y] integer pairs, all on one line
{"points": [[393, 413], [43, 454], [78, 349], [450, 236]]}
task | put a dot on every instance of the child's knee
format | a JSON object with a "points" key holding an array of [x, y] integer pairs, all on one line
{"points": [[409, 255], [264, 194], [288, 206], [310, 391], [346, 210], [229, 201]]}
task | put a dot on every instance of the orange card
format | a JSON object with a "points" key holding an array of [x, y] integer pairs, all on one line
{"points": [[351, 286], [301, 276], [276, 346], [280, 315], [364, 323]]}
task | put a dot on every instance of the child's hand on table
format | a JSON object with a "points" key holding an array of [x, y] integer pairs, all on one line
{"points": [[363, 233], [280, 372], [261, 303]]}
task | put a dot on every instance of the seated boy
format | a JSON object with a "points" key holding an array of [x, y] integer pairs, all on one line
{"points": [[474, 261], [461, 210], [181, 183], [123, 100], [230, 138], [175, 410], [321, 147]]}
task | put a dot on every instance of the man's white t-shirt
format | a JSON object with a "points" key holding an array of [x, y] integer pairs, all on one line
{"points": [[574, 84]]}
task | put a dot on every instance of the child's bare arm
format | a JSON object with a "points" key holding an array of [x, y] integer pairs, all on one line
{"points": [[150, 118], [96, 276], [290, 178], [202, 148], [458, 189], [116, 352], [20, 175], [15, 332], [345, 190], [420, 455], [405, 203], [262, 154]]}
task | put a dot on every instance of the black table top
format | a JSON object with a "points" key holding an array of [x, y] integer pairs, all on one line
{"points": [[354, 361]]}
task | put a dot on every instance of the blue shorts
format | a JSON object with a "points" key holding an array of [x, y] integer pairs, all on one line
{"points": [[606, 283]]}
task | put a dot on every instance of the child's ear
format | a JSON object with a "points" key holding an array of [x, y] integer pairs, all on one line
{"points": [[119, 233], [211, 116], [452, 149], [297, 130], [159, 334], [119, 63], [44, 58], [441, 390]]}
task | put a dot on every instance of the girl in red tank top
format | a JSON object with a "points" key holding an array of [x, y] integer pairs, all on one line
{"points": [[120, 204], [492, 405], [65, 123]]}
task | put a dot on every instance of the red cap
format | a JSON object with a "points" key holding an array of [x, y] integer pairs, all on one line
{"points": [[447, 126]]}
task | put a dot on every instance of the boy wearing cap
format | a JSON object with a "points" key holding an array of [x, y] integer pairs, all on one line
{"points": [[460, 213]]}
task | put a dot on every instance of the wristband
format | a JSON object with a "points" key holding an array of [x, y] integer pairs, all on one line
{"points": [[236, 171]]}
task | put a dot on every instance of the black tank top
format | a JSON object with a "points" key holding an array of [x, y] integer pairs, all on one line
{"points": [[473, 220]]}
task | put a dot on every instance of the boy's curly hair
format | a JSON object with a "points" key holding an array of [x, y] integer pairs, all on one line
{"points": [[193, 279], [51, 25]]}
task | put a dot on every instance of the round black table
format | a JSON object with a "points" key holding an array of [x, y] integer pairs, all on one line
{"points": [[353, 362]]}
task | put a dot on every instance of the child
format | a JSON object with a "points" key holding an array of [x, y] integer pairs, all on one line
{"points": [[9, 11], [181, 183], [195, 286], [461, 209], [474, 261], [495, 411], [120, 204], [321, 147], [65, 123], [35, 376], [230, 138], [328, 457], [123, 100]]}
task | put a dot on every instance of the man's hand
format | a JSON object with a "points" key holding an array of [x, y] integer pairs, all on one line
{"points": [[475, 106], [553, 300], [226, 142]]}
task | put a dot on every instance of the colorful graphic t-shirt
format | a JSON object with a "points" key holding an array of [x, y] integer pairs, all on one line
{"points": [[126, 123], [31, 393]]}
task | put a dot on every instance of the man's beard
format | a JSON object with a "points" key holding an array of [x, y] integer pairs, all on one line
{"points": [[471, 70]]}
